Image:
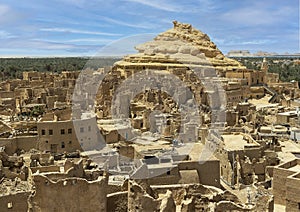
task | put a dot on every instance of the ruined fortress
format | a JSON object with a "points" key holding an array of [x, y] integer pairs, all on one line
{"points": [[175, 127]]}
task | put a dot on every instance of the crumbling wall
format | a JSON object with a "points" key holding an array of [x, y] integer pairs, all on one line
{"points": [[229, 206], [209, 172], [117, 202], [9, 144], [196, 197], [70, 194], [141, 200], [26, 143], [14, 202], [17, 143]]}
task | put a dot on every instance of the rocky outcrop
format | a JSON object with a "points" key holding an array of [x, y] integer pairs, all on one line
{"points": [[183, 53], [182, 44]]}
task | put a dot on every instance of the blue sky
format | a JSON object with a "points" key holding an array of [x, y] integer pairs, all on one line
{"points": [[82, 27]]}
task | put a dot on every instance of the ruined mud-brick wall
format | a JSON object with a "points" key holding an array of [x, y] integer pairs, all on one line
{"points": [[292, 193], [209, 171], [71, 194], [154, 100], [36, 87], [14, 193], [17, 143], [14, 202], [117, 201], [253, 77], [279, 185], [120, 73]]}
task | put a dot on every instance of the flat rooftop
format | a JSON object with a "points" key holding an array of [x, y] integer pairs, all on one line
{"points": [[295, 168], [196, 151], [263, 102], [112, 124], [237, 142], [152, 148], [288, 113]]}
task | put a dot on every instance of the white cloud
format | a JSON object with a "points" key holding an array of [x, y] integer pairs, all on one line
{"points": [[5, 35], [76, 31], [92, 40], [202, 6], [157, 5], [74, 2], [237, 41], [4, 9], [78, 40], [25, 47], [9, 16], [258, 14], [127, 24], [35, 44]]}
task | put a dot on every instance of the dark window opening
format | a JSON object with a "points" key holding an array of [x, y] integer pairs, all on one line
{"points": [[43, 132], [70, 142], [46, 142], [70, 131], [62, 145], [168, 172], [50, 132], [81, 129], [62, 131], [53, 148], [299, 205]]}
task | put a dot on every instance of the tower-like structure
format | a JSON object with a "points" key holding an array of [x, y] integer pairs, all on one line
{"points": [[264, 65]]}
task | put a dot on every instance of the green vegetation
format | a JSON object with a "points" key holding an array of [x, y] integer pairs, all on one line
{"points": [[13, 67], [288, 68], [37, 111]]}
